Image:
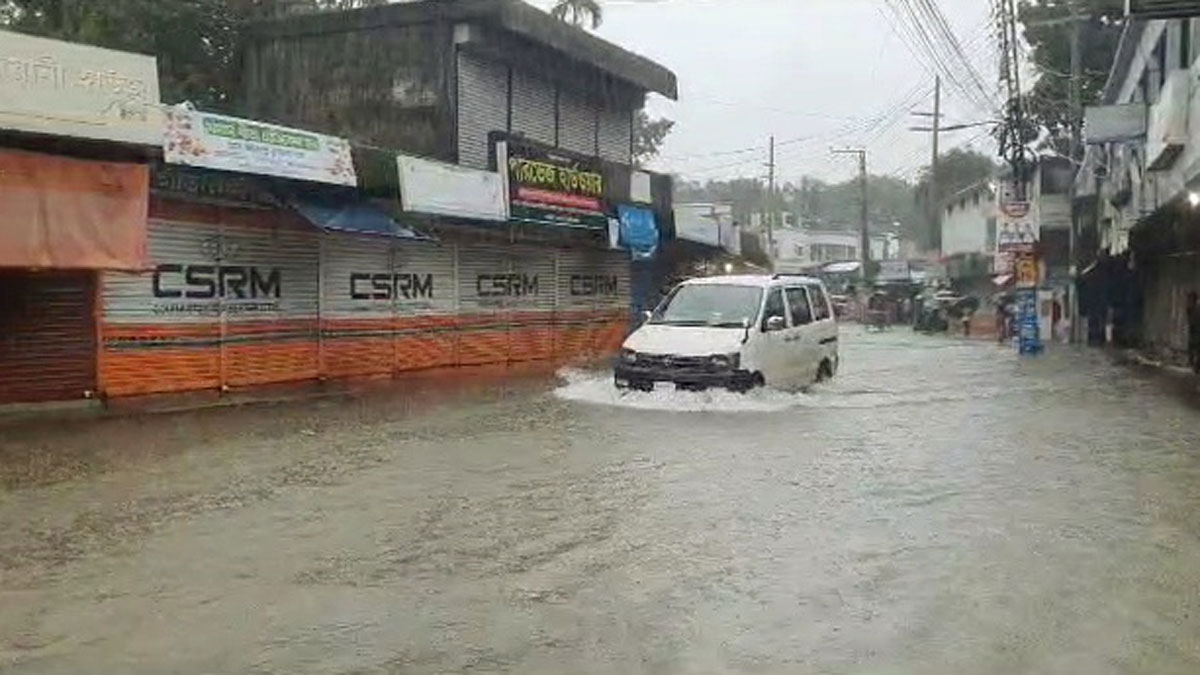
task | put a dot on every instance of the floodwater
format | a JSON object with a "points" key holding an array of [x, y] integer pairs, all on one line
{"points": [[941, 507]]}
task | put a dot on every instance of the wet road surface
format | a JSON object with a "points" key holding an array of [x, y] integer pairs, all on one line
{"points": [[942, 507]]}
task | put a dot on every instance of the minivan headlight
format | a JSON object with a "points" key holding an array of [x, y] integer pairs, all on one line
{"points": [[629, 356], [726, 361]]}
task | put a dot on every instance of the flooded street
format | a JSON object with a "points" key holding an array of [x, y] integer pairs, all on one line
{"points": [[941, 507]]}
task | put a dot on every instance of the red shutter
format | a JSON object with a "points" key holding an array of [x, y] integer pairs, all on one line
{"points": [[47, 336]]}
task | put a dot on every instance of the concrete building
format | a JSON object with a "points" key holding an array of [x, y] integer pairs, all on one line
{"points": [[969, 221], [437, 78], [1136, 194]]}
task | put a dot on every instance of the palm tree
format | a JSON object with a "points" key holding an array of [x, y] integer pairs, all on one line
{"points": [[577, 10]]}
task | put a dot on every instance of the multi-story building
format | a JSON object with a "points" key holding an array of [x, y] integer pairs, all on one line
{"points": [[1136, 205], [438, 78]]}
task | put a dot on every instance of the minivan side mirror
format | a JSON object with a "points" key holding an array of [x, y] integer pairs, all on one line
{"points": [[646, 314], [775, 323]]}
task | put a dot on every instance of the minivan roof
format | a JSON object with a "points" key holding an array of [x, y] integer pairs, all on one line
{"points": [[756, 280]]}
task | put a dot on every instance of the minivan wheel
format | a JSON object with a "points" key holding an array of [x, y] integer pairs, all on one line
{"points": [[825, 371]]}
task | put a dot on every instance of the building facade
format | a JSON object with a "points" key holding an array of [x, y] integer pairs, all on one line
{"points": [[1134, 207]]}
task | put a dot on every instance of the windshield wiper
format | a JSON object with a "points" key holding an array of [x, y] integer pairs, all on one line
{"points": [[726, 324]]}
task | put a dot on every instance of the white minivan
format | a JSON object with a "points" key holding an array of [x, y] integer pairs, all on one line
{"points": [[736, 332]]}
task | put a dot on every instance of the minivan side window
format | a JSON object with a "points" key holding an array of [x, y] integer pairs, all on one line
{"points": [[820, 303], [774, 307], [801, 311]]}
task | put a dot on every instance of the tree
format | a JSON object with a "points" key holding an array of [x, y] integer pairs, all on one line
{"points": [[648, 136], [1047, 25], [574, 12], [196, 41], [958, 169]]}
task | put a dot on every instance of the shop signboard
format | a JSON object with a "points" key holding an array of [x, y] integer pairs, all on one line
{"points": [[1018, 229], [442, 189], [549, 186], [210, 141], [1025, 270], [67, 89]]}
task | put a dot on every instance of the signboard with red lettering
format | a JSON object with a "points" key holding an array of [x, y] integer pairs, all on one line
{"points": [[549, 186]]}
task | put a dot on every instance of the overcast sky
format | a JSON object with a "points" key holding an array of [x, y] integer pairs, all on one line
{"points": [[815, 73]]}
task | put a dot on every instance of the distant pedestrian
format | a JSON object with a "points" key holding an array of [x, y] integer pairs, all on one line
{"points": [[1193, 325]]}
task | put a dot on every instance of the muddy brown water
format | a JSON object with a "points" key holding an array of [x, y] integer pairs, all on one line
{"points": [[942, 507]]}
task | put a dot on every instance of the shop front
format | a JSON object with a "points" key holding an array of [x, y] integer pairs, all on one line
{"points": [[62, 220]]}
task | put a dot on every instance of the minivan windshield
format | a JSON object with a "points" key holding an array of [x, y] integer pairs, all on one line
{"points": [[716, 305]]}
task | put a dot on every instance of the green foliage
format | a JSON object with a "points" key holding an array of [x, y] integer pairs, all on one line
{"points": [[648, 136], [1047, 30], [197, 42], [574, 12]]}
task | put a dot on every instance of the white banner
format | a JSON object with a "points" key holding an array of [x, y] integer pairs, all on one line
{"points": [[66, 89], [449, 190], [232, 144]]}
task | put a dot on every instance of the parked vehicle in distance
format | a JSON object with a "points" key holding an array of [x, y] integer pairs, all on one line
{"points": [[736, 332]]}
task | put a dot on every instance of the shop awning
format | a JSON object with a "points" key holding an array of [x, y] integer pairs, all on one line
{"points": [[66, 213], [354, 218]]}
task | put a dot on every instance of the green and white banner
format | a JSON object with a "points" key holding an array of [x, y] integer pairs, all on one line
{"points": [[212, 141]]}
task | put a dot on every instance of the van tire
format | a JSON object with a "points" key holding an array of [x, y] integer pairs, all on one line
{"points": [[825, 371]]}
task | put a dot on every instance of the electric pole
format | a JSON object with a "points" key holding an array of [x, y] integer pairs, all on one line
{"points": [[865, 234], [933, 206], [770, 210]]}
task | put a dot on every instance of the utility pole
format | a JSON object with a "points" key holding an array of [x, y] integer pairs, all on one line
{"points": [[865, 234], [770, 214], [933, 206]]}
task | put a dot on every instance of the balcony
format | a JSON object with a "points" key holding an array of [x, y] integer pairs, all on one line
{"points": [[1167, 132]]}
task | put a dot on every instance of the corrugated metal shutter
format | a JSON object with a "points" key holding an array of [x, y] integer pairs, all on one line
{"points": [[47, 336], [576, 123], [271, 316], [531, 337], [533, 107], [357, 306], [484, 284], [482, 107], [614, 133], [577, 305], [160, 333], [426, 305], [614, 304]]}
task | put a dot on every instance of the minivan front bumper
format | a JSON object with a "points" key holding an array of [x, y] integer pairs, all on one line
{"points": [[644, 377]]}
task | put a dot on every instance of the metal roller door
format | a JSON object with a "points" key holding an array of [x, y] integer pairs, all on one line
{"points": [[425, 291], [577, 305], [533, 107], [485, 283], [615, 128], [269, 302], [614, 303], [576, 124], [482, 107], [531, 334], [47, 336], [162, 333], [357, 306]]}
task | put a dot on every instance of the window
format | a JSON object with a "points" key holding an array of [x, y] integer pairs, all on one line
{"points": [[820, 303], [774, 307], [801, 310], [722, 306], [990, 243]]}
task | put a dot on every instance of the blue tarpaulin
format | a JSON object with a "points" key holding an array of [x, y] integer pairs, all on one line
{"points": [[639, 232], [354, 218]]}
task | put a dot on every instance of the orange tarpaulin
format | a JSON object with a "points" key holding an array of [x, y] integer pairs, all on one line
{"points": [[60, 212]]}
